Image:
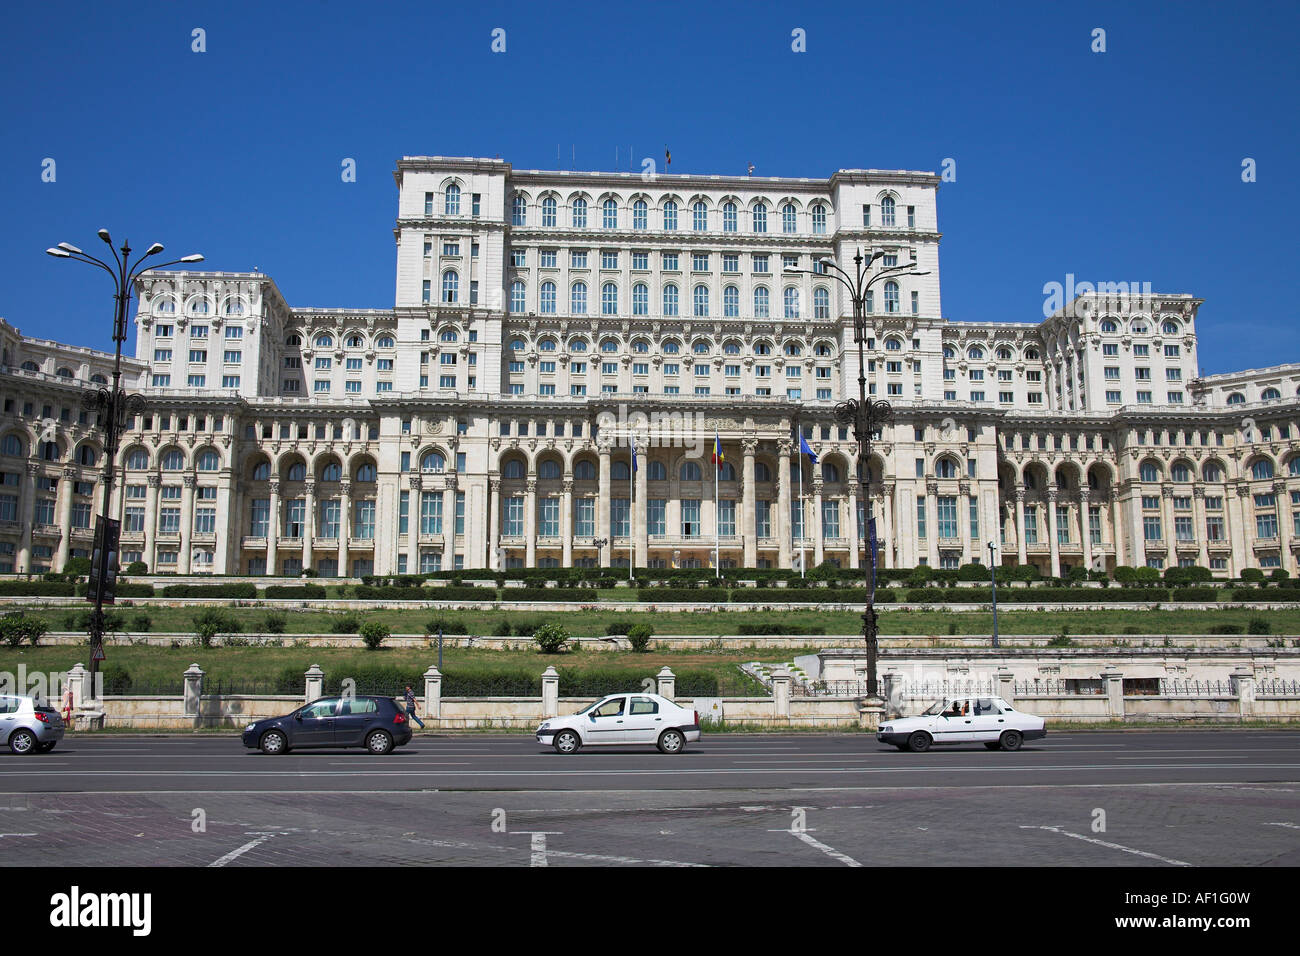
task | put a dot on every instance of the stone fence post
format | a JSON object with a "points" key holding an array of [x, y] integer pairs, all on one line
{"points": [[433, 693], [1005, 683], [1243, 681], [891, 686], [193, 690], [781, 693], [550, 692], [666, 683], [79, 679], [1114, 683], [315, 683]]}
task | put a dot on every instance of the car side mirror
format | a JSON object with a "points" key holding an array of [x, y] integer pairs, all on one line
{"points": [[592, 716], [297, 716]]}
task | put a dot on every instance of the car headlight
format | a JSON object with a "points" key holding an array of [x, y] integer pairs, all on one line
{"points": [[543, 727], [250, 727]]}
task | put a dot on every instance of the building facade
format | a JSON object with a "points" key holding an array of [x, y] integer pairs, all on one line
{"points": [[545, 323]]}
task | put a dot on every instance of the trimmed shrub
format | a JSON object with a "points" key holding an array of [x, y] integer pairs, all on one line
{"points": [[1196, 594], [141, 622], [527, 628], [346, 624], [615, 628], [1225, 629], [551, 638], [37, 588], [692, 595], [137, 567], [77, 567], [546, 594], [374, 634], [248, 591], [502, 629], [766, 628], [274, 623], [301, 591], [116, 678], [639, 635], [125, 590], [1258, 625], [448, 625], [17, 627], [1252, 574]]}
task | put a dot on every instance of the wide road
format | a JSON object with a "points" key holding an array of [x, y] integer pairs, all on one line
{"points": [[1169, 798]]}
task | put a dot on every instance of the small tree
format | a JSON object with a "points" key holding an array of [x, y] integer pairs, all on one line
{"points": [[18, 627], [1252, 574], [639, 636], [78, 567], [210, 622], [346, 624], [274, 623], [1259, 625], [141, 622], [374, 633], [551, 638]]}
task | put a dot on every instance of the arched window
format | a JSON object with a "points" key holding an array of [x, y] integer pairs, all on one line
{"points": [[727, 472], [609, 299], [518, 345], [451, 286], [324, 341], [385, 342], [518, 297], [262, 471], [609, 346], [1212, 471], [433, 461], [762, 302], [1293, 467], [1236, 398], [584, 471], [1269, 394], [893, 345], [547, 298], [792, 349], [949, 352], [1031, 355], [731, 347], [209, 460], [760, 217], [331, 472], [762, 348], [641, 347], [830, 472], [620, 471], [975, 353], [199, 307], [1149, 471], [1109, 326], [790, 302], [1004, 354], [823, 350], [578, 211], [1180, 472], [762, 472], [609, 214], [297, 472], [640, 299], [640, 215], [166, 307], [546, 345], [548, 469], [789, 218], [173, 460], [821, 303], [819, 219], [671, 348], [699, 216], [670, 215], [294, 341], [86, 455], [451, 201], [99, 379], [1138, 328], [514, 469], [548, 211], [891, 296], [137, 459], [1169, 328], [578, 298], [729, 217], [356, 342], [945, 468], [519, 211], [670, 299], [656, 471], [887, 211], [366, 473], [690, 471], [700, 300], [1261, 470], [64, 372], [701, 347], [578, 345]]}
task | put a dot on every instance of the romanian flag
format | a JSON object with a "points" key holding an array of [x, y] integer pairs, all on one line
{"points": [[717, 451]]}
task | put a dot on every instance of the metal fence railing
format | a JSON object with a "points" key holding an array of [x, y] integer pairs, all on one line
{"points": [[1058, 687], [1276, 687], [248, 688], [829, 688], [1172, 687]]}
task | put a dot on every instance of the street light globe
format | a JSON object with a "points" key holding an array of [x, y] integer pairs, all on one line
{"points": [[194, 258], [153, 250], [103, 234]]}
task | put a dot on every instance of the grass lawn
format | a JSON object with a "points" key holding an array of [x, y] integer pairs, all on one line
{"points": [[591, 623]]}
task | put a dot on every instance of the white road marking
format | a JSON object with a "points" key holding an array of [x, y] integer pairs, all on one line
{"points": [[2, 835], [1108, 845], [1289, 826], [828, 850], [234, 854]]}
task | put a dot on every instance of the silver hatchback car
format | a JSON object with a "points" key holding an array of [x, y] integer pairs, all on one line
{"points": [[29, 725]]}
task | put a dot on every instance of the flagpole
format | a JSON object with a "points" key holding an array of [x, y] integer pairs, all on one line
{"points": [[717, 540], [631, 509], [803, 561]]}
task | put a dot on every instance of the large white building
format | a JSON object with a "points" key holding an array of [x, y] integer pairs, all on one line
{"points": [[543, 318]]}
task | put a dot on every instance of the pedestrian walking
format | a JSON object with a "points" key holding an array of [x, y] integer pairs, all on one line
{"points": [[410, 707], [67, 705]]}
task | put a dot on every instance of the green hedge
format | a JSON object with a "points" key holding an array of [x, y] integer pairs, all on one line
{"points": [[1196, 594], [1270, 594], [704, 595], [294, 591], [598, 683], [367, 592], [548, 594], [38, 588], [134, 590], [210, 590], [770, 628]]}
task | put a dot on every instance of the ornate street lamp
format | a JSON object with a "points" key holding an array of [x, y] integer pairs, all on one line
{"points": [[866, 415], [112, 407]]}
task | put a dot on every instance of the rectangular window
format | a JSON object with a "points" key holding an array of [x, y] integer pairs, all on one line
{"points": [[920, 516], [431, 512], [830, 519], [947, 515], [584, 517], [1031, 526], [548, 515], [513, 524], [763, 518], [363, 520], [295, 517], [1151, 529], [691, 518], [656, 516]]}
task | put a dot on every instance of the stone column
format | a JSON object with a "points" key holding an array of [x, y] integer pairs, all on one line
{"points": [[1282, 499], [151, 522], [1243, 555], [888, 512], [550, 692], [1085, 526], [530, 523], [963, 519], [782, 520], [433, 694], [1052, 542], [1167, 525], [309, 524], [494, 522], [781, 694], [315, 683], [273, 530], [666, 683], [855, 540], [449, 522], [641, 508], [1198, 517], [1113, 681], [345, 524], [187, 523], [79, 680], [1114, 513], [193, 690], [1139, 551], [819, 540], [749, 505], [26, 508], [66, 486], [413, 525], [932, 521], [1021, 553], [566, 521], [602, 508]]}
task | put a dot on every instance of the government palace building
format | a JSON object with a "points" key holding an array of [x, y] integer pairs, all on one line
{"points": [[546, 324]]}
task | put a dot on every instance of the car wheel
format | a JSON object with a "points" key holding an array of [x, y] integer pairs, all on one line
{"points": [[919, 742], [992, 745], [378, 742], [567, 742], [23, 742], [672, 742], [1011, 740], [45, 748], [273, 742]]}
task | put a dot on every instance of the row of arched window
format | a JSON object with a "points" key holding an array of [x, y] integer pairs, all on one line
{"points": [[1269, 394], [200, 305], [64, 372], [1261, 469], [581, 215], [13, 446], [352, 340], [331, 471], [671, 300], [1138, 327], [611, 346], [976, 353]]}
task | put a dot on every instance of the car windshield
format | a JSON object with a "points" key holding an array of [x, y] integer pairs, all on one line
{"points": [[934, 709], [594, 703]]}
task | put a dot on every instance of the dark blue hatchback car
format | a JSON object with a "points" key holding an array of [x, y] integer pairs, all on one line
{"points": [[376, 723]]}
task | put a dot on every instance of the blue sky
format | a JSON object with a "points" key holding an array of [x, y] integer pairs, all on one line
{"points": [[1115, 166]]}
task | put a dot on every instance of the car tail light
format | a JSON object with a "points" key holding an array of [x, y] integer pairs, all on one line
{"points": [[41, 717], [697, 717], [399, 718]]}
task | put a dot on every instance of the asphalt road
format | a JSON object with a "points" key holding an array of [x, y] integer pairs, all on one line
{"points": [[1082, 799]]}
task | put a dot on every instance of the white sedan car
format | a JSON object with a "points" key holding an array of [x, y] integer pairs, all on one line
{"points": [[623, 720], [963, 720]]}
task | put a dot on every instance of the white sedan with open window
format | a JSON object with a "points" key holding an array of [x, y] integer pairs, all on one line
{"points": [[963, 720], [623, 720]]}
